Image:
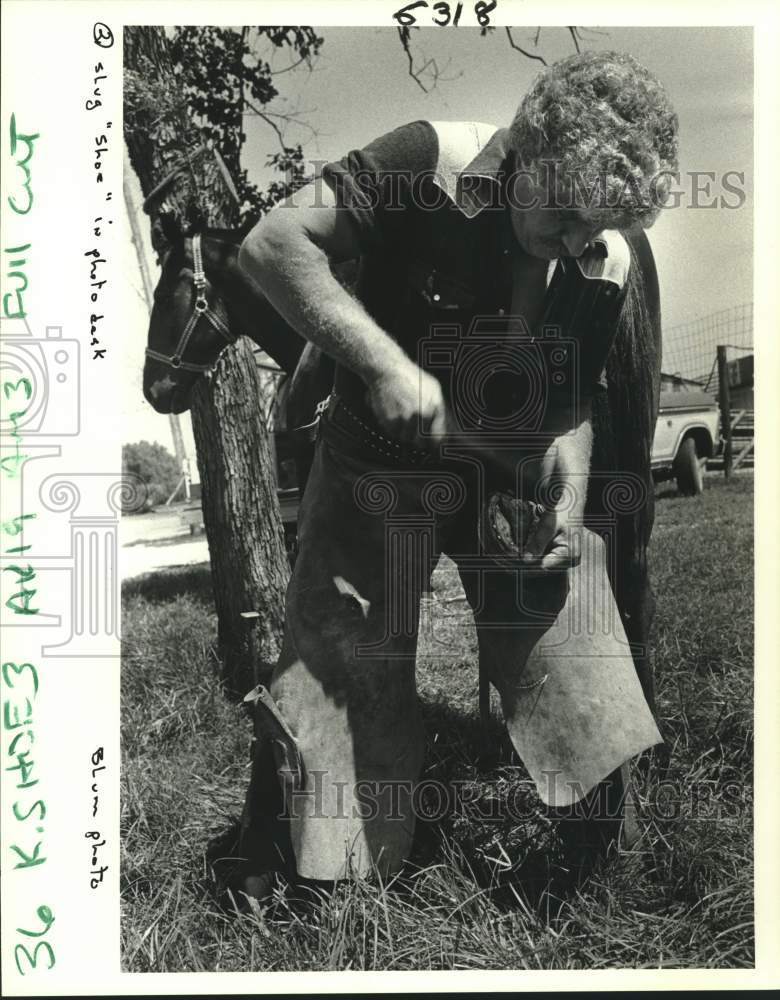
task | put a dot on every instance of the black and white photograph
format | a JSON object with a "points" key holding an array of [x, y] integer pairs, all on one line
{"points": [[438, 644]]}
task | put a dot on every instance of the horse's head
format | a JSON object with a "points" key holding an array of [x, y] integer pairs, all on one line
{"points": [[188, 326]]}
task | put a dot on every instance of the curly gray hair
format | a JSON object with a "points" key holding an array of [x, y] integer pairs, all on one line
{"points": [[602, 129]]}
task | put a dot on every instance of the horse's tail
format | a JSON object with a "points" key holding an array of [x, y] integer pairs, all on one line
{"points": [[633, 379]]}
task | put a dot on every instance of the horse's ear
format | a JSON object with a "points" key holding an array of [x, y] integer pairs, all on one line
{"points": [[170, 228]]}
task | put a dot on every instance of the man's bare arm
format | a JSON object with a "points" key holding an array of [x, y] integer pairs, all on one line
{"points": [[554, 544], [288, 255]]}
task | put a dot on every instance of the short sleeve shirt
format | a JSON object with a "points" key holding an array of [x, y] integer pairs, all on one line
{"points": [[428, 204]]}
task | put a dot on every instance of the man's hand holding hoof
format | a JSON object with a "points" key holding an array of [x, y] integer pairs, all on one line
{"points": [[558, 483], [553, 546]]}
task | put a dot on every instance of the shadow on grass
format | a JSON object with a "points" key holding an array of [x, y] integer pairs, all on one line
{"points": [[538, 882], [456, 735], [514, 859], [667, 493], [740, 482], [668, 490], [163, 543], [166, 585], [504, 841]]}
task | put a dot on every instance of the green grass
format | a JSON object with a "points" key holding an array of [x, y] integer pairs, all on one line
{"points": [[682, 898]]}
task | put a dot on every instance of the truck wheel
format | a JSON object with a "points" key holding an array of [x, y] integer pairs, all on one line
{"points": [[687, 470]]}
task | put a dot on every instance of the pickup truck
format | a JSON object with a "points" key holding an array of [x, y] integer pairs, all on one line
{"points": [[687, 433]]}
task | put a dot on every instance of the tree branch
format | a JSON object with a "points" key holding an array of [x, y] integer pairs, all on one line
{"points": [[403, 34], [525, 52], [268, 117], [430, 64], [303, 59]]}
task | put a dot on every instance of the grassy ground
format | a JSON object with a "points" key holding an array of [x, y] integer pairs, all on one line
{"points": [[681, 898]]}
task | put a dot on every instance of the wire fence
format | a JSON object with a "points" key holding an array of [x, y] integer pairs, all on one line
{"points": [[689, 350]]}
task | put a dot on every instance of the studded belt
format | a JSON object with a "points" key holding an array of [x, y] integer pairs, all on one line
{"points": [[342, 428]]}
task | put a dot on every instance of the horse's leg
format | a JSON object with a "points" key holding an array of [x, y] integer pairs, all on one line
{"points": [[623, 440], [628, 578], [635, 594], [618, 458], [636, 600]]}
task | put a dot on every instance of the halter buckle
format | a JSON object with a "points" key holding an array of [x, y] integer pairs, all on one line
{"points": [[201, 304]]}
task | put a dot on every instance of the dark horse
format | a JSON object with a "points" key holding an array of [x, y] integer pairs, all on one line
{"points": [[204, 301]]}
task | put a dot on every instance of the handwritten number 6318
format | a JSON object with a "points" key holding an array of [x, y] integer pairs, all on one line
{"points": [[444, 14]]}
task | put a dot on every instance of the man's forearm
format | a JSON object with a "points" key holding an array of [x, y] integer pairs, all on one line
{"points": [[562, 455], [292, 269], [559, 481], [295, 276], [574, 454]]}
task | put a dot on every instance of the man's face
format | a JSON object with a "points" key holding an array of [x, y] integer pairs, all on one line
{"points": [[548, 226], [547, 232]]}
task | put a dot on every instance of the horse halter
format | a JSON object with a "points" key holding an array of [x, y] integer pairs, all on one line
{"points": [[200, 310]]}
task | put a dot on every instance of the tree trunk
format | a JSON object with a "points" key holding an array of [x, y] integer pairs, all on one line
{"points": [[249, 566]]}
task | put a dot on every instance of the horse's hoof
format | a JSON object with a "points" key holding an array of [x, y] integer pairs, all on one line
{"points": [[259, 887], [244, 893]]}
